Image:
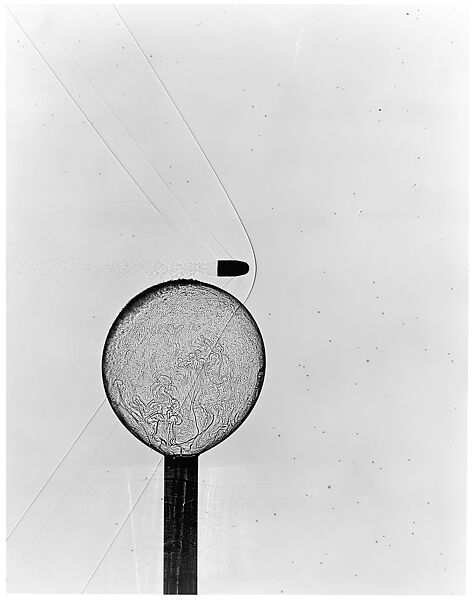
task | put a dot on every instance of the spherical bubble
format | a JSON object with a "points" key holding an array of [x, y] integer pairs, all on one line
{"points": [[183, 365]]}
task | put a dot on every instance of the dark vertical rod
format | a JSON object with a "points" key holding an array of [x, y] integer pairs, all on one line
{"points": [[180, 548]]}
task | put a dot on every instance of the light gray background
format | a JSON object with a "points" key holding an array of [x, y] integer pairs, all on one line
{"points": [[340, 134]]}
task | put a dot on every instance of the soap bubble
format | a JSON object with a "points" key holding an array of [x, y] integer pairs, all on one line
{"points": [[183, 366]]}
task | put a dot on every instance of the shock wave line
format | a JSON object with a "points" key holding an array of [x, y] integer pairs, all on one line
{"points": [[121, 527], [30, 543], [55, 469], [122, 125], [196, 141], [95, 130]]}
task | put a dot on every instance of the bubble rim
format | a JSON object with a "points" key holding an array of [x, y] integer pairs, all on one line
{"points": [[140, 298]]}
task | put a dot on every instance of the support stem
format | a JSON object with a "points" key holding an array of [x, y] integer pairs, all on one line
{"points": [[180, 525]]}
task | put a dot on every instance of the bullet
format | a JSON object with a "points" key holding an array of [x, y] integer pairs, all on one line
{"points": [[232, 268]]}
